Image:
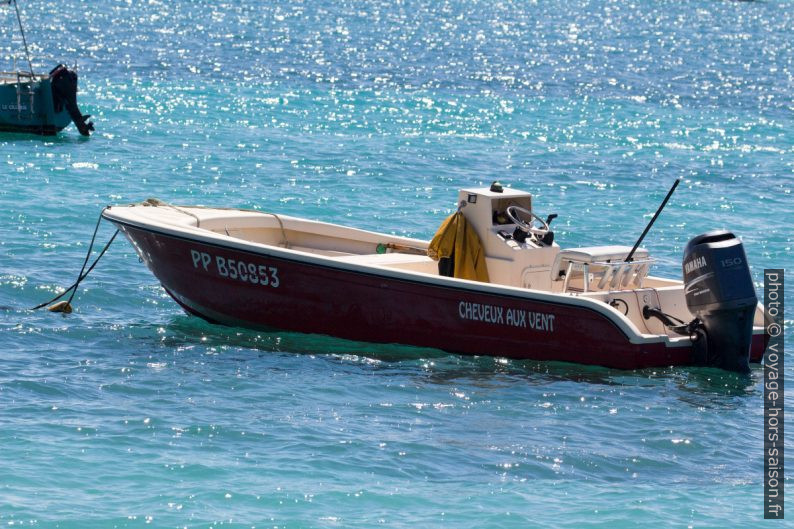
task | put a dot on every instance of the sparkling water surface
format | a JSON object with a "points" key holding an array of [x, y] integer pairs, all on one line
{"points": [[129, 413]]}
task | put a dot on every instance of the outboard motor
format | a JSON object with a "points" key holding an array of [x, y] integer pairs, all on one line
{"points": [[64, 93], [719, 292]]}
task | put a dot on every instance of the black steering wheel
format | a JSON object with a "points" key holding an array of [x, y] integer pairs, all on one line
{"points": [[527, 227]]}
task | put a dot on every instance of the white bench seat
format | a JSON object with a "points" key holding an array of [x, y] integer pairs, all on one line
{"points": [[404, 261], [604, 263]]}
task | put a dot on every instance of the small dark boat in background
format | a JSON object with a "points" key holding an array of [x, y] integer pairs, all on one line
{"points": [[39, 103]]}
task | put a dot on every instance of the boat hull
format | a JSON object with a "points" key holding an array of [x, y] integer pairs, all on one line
{"points": [[18, 115], [264, 288]]}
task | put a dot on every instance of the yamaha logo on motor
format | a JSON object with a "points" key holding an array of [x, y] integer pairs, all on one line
{"points": [[695, 264]]}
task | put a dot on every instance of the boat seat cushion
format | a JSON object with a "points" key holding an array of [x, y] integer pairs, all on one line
{"points": [[401, 261], [384, 259], [592, 254]]}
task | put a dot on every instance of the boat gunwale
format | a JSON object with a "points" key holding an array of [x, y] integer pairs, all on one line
{"points": [[22, 76]]}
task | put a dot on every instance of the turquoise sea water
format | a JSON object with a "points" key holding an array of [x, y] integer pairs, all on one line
{"points": [[129, 413]]}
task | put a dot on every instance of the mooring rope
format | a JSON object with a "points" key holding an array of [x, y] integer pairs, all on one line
{"points": [[283, 231], [66, 306], [156, 202]]}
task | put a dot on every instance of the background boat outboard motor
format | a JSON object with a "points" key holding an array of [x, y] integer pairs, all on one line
{"points": [[719, 292], [64, 93]]}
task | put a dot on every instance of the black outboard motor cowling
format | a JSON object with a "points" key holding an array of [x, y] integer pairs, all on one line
{"points": [[720, 293], [64, 94]]}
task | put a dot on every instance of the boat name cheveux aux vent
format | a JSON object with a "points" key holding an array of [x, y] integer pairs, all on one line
{"points": [[539, 321]]}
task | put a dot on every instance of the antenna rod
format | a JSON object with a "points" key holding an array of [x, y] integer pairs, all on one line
{"points": [[24, 41], [648, 227]]}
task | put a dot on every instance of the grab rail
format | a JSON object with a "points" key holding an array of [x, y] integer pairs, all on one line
{"points": [[618, 274]]}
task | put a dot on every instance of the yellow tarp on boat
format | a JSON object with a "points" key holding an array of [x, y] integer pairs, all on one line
{"points": [[455, 238]]}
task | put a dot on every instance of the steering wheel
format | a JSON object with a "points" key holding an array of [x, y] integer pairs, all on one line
{"points": [[527, 227]]}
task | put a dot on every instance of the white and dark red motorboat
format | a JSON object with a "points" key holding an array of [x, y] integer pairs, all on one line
{"points": [[531, 299]]}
